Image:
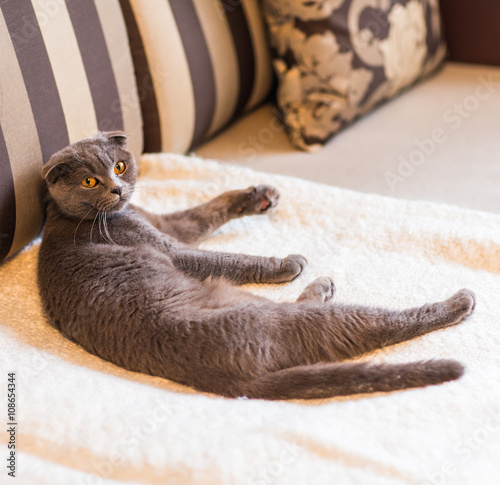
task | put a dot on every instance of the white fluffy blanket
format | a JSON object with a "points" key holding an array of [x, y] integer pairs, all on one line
{"points": [[83, 421]]}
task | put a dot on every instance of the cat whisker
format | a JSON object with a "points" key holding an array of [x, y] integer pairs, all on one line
{"points": [[79, 224], [101, 224], [92, 228], [105, 226], [106, 229]]}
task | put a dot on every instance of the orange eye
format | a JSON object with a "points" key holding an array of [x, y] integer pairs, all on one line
{"points": [[120, 168], [89, 182]]}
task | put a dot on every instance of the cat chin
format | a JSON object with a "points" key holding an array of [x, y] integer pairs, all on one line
{"points": [[117, 206]]}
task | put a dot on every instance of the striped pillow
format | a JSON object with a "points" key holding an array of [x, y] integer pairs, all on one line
{"points": [[199, 64], [66, 72]]}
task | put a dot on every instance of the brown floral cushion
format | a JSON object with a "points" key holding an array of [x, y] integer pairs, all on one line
{"points": [[336, 59]]}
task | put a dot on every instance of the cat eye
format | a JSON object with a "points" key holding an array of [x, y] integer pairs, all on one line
{"points": [[120, 168], [89, 182]]}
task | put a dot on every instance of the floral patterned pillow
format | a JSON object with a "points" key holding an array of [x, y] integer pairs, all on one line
{"points": [[337, 59]]}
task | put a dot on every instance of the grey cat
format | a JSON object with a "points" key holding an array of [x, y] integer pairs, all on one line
{"points": [[132, 288]]}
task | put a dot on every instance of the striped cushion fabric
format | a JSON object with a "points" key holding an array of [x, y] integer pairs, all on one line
{"points": [[199, 64], [66, 72]]}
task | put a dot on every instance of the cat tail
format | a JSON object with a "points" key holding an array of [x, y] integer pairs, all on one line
{"points": [[328, 380]]}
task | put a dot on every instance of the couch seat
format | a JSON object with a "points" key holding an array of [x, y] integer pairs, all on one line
{"points": [[438, 141]]}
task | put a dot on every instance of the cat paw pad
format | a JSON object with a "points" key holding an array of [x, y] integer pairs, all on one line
{"points": [[321, 290], [262, 199]]}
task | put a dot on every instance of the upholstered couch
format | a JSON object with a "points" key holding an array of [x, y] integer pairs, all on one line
{"points": [[66, 71]]}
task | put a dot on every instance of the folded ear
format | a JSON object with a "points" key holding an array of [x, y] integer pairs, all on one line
{"points": [[116, 137], [53, 169]]}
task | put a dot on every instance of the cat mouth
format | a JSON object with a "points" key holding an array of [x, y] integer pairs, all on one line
{"points": [[118, 204], [113, 205]]}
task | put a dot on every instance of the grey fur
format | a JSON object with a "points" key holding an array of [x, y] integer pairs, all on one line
{"points": [[132, 288]]}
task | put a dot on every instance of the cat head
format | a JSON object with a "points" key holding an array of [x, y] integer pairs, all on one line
{"points": [[92, 175]]}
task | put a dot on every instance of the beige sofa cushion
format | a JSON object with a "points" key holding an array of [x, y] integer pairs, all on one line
{"points": [[66, 72]]}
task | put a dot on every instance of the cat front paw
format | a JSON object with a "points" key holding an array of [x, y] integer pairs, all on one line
{"points": [[291, 267], [262, 199]]}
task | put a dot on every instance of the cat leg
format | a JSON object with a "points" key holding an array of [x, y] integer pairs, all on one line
{"points": [[237, 268], [194, 225], [321, 290], [337, 332], [357, 331], [285, 351], [412, 323]]}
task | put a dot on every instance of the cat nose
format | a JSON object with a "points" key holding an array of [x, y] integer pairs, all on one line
{"points": [[117, 190]]}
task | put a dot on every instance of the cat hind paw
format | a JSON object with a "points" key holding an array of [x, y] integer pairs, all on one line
{"points": [[321, 290]]}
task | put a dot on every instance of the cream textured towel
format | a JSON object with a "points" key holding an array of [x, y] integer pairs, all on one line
{"points": [[83, 421]]}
